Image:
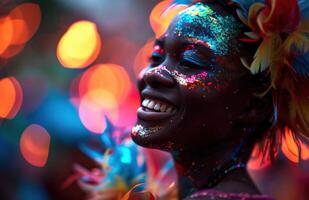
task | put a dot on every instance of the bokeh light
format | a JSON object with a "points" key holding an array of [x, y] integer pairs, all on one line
{"points": [[80, 45], [94, 107], [11, 97], [162, 15], [141, 60], [290, 149], [34, 145], [105, 92], [12, 51], [26, 19], [18, 28], [6, 33], [128, 108], [109, 77]]}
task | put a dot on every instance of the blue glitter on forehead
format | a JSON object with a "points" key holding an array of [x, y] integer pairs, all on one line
{"points": [[218, 32]]}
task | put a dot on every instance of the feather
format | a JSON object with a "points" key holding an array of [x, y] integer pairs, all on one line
{"points": [[304, 8], [252, 35], [301, 64], [261, 57], [281, 17], [253, 15], [242, 17], [296, 42], [304, 26], [244, 62], [245, 5]]}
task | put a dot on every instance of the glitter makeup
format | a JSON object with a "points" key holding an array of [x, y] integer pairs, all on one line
{"points": [[190, 81], [215, 31], [144, 132]]}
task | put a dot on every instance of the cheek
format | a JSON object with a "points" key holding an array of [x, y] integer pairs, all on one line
{"points": [[202, 84], [206, 108]]}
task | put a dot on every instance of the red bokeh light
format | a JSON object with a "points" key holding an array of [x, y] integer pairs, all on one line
{"points": [[26, 19], [34, 145]]}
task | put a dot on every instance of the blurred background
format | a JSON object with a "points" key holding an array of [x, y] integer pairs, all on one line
{"points": [[67, 70]]}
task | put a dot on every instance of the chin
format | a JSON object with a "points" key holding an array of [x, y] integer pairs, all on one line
{"points": [[156, 130], [155, 137], [158, 116]]}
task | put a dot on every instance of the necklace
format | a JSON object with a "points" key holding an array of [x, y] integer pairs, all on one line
{"points": [[222, 195]]}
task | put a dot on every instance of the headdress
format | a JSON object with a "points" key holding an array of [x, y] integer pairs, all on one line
{"points": [[282, 28]]}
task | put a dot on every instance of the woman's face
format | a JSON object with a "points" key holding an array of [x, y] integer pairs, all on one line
{"points": [[193, 92]]}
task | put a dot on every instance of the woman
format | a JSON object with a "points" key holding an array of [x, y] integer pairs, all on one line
{"points": [[204, 102]]}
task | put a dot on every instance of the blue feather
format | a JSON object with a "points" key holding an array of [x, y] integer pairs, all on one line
{"points": [[245, 5], [301, 64], [304, 8]]}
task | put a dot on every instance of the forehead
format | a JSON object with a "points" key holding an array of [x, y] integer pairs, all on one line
{"points": [[204, 23]]}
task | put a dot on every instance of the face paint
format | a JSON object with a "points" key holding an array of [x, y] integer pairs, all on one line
{"points": [[193, 77], [144, 132], [190, 81], [214, 30]]}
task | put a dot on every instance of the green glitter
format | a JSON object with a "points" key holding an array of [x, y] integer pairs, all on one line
{"points": [[214, 30]]}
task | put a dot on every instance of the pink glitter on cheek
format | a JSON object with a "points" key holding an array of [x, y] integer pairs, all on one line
{"points": [[190, 81]]}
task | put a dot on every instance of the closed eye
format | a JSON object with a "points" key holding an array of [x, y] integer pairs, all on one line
{"points": [[190, 63]]}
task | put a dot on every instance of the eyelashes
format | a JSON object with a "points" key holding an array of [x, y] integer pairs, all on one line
{"points": [[192, 64], [188, 60], [191, 59]]}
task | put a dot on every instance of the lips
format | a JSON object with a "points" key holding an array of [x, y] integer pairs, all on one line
{"points": [[154, 109]]}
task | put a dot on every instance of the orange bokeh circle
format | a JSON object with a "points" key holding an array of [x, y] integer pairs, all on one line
{"points": [[11, 97]]}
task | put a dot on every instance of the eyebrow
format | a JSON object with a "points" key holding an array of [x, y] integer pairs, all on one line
{"points": [[189, 42], [199, 43]]}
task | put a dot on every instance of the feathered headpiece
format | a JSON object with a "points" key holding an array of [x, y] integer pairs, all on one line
{"points": [[282, 28]]}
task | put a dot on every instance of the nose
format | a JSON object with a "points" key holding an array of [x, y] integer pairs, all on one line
{"points": [[158, 77]]}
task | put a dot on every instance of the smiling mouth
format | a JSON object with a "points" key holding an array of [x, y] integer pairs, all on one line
{"points": [[152, 110]]}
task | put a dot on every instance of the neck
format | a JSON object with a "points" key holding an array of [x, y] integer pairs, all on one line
{"points": [[201, 169]]}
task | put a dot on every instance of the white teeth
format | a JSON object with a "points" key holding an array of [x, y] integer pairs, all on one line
{"points": [[145, 102], [163, 108], [157, 107], [151, 105], [169, 110]]}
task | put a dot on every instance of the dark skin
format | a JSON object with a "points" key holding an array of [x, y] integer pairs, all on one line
{"points": [[212, 106]]}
